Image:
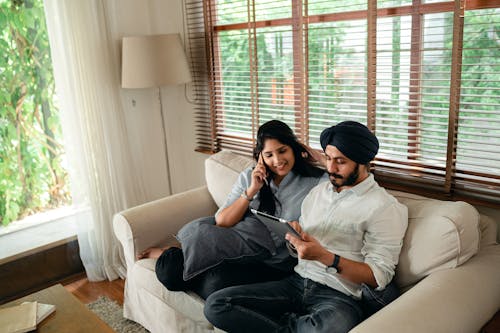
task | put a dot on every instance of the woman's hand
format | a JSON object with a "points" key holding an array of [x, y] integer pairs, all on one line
{"points": [[259, 177], [233, 214], [314, 155]]}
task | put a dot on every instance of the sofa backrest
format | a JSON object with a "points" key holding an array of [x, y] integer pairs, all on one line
{"points": [[440, 234], [221, 171]]}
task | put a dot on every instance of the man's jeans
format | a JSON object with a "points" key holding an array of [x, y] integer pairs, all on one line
{"points": [[293, 304]]}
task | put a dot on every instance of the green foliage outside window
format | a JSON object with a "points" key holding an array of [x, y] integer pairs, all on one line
{"points": [[337, 78], [31, 156]]}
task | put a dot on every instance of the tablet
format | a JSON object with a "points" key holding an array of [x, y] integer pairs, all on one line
{"points": [[275, 224]]}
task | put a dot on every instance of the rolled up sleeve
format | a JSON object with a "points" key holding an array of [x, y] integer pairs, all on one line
{"points": [[241, 184], [383, 241]]}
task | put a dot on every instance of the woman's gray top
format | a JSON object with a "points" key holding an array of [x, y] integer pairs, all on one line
{"points": [[206, 245]]}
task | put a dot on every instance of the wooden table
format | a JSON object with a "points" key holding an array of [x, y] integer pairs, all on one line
{"points": [[70, 315]]}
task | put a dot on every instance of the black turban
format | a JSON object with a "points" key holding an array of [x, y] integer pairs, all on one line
{"points": [[353, 139]]}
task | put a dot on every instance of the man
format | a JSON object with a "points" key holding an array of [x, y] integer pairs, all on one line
{"points": [[351, 236]]}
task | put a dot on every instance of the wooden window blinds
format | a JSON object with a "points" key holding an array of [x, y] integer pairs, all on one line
{"points": [[423, 75]]}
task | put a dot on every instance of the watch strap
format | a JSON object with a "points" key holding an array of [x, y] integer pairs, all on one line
{"points": [[245, 196], [335, 264]]}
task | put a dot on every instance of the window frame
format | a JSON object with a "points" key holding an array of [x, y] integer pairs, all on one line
{"points": [[212, 140]]}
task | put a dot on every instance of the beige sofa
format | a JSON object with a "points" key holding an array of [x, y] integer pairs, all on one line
{"points": [[449, 266]]}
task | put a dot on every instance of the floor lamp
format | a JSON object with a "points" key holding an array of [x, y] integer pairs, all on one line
{"points": [[154, 61]]}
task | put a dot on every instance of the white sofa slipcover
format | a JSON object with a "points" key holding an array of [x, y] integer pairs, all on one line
{"points": [[449, 265]]}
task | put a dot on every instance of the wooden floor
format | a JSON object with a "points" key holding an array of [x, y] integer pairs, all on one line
{"points": [[87, 292]]}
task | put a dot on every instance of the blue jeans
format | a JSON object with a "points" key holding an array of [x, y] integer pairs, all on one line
{"points": [[293, 304]]}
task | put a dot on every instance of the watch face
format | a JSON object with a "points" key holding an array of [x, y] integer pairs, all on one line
{"points": [[331, 270]]}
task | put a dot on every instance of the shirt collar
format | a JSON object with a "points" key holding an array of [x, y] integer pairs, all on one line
{"points": [[287, 179], [364, 186]]}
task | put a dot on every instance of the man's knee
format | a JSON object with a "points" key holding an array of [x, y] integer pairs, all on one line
{"points": [[331, 321]]}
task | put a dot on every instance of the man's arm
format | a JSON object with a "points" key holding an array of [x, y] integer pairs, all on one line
{"points": [[310, 249], [354, 271], [383, 241]]}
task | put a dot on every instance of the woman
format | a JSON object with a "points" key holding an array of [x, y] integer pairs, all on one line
{"points": [[234, 247]]}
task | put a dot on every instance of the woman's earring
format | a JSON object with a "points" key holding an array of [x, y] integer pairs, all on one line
{"points": [[305, 154]]}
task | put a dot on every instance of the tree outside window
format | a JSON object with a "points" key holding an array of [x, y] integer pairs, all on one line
{"points": [[33, 178]]}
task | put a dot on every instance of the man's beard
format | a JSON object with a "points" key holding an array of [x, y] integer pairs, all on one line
{"points": [[351, 179]]}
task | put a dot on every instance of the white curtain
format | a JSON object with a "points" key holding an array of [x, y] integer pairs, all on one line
{"points": [[100, 163]]}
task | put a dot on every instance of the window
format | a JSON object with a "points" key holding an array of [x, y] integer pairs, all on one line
{"points": [[31, 157], [423, 75]]}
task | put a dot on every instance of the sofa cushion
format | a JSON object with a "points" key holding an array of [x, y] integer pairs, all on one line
{"points": [[440, 235], [221, 172], [488, 228]]}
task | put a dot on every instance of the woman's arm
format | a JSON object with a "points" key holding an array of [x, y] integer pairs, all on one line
{"points": [[234, 213]]}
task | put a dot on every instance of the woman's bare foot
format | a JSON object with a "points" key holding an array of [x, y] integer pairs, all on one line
{"points": [[152, 252]]}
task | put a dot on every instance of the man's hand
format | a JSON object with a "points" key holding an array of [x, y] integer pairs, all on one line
{"points": [[308, 247], [296, 226]]}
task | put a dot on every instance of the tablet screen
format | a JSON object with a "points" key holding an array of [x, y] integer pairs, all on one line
{"points": [[279, 226]]}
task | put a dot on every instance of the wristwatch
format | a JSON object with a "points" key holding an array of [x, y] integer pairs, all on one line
{"points": [[335, 263], [245, 196]]}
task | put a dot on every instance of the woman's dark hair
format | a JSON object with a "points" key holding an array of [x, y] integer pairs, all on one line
{"points": [[278, 130]]}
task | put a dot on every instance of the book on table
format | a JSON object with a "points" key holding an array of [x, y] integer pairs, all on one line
{"points": [[24, 317], [18, 318], [43, 311]]}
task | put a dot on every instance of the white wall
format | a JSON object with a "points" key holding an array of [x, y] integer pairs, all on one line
{"points": [[129, 18]]}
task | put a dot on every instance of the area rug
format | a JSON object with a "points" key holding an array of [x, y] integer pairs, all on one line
{"points": [[112, 314]]}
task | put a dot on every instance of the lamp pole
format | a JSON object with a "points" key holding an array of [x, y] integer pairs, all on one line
{"points": [[165, 143]]}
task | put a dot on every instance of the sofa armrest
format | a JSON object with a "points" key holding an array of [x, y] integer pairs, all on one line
{"points": [[461, 299], [154, 223]]}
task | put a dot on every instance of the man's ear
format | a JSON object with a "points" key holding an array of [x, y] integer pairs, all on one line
{"points": [[364, 168]]}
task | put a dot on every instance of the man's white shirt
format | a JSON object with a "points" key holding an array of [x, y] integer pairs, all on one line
{"points": [[363, 223]]}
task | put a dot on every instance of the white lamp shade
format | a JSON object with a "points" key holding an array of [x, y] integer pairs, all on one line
{"points": [[153, 61]]}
